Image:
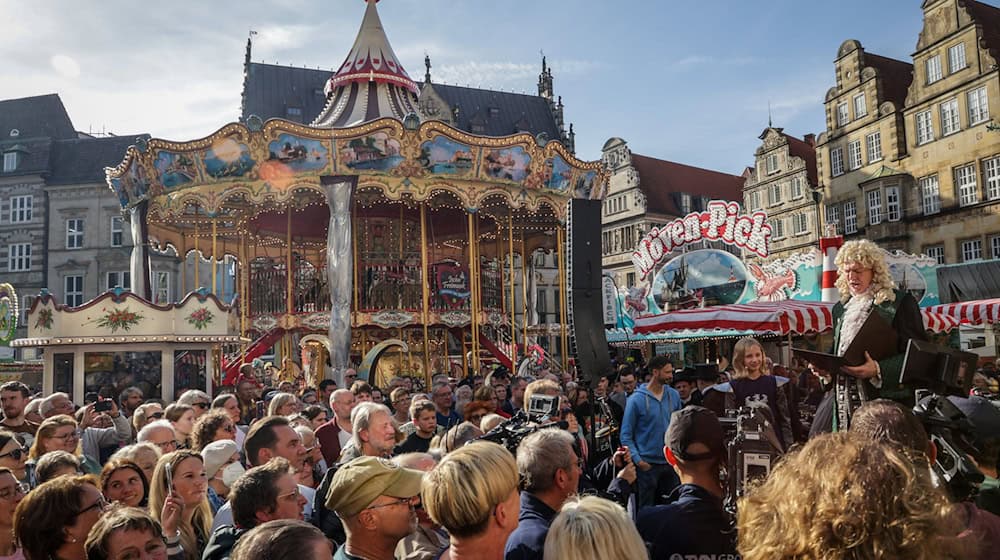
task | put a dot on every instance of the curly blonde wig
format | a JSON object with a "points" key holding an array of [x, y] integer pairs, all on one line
{"points": [[868, 255], [843, 497]]}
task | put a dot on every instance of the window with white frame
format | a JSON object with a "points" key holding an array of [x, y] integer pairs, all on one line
{"points": [[995, 247], [979, 106], [925, 127], [20, 208], [854, 155], [874, 207], [833, 215], [860, 107], [842, 115], [797, 190], [73, 286], [26, 302], [777, 227], [685, 203], [972, 250], [874, 144], [119, 279], [755, 200], [74, 233], [10, 161], [850, 217], [836, 161], [771, 163], [956, 57], [800, 223], [893, 208], [774, 195], [949, 117], [19, 257], [991, 171], [933, 66], [935, 252], [965, 183], [930, 194], [117, 231]]}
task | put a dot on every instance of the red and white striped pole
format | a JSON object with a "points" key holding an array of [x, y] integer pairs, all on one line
{"points": [[829, 245]]}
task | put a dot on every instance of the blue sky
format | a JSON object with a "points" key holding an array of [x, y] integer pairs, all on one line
{"points": [[684, 81]]}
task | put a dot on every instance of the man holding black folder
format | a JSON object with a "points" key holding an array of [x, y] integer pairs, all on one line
{"points": [[870, 313]]}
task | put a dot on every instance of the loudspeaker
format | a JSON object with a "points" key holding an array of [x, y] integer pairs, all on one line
{"points": [[588, 343], [584, 240]]}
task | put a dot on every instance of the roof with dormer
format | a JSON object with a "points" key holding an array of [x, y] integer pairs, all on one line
{"points": [[497, 113], [664, 181]]}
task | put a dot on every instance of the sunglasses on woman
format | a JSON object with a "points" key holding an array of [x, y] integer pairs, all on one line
{"points": [[15, 454]]}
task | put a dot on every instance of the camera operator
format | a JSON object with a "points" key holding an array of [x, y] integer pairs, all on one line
{"points": [[883, 420], [694, 523], [985, 419]]}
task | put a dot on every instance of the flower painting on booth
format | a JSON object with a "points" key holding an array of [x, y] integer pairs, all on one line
{"points": [[118, 319], [200, 318]]}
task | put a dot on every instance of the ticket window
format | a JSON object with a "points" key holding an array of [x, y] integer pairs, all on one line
{"points": [[190, 370]]}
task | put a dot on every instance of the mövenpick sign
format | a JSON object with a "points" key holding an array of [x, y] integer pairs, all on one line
{"points": [[721, 222]]}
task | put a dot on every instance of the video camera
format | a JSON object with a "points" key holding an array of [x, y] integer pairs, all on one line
{"points": [[752, 450], [952, 434], [537, 415]]}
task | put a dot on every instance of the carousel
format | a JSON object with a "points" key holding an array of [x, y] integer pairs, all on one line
{"points": [[365, 231]]}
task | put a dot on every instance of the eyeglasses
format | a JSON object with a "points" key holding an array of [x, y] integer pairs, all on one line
{"points": [[229, 428], [172, 445], [20, 488], [156, 415], [101, 504], [201, 405], [294, 493], [155, 548], [396, 502], [75, 434], [16, 454]]}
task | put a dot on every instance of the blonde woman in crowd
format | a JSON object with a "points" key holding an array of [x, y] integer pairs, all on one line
{"points": [[61, 433], [473, 494], [844, 497], [178, 499], [283, 404], [592, 528], [146, 413]]}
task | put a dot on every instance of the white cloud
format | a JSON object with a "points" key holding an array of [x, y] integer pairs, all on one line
{"points": [[65, 66]]}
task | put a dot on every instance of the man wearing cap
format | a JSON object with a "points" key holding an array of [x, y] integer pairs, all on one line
{"points": [[684, 384], [376, 500], [222, 468], [694, 523]]}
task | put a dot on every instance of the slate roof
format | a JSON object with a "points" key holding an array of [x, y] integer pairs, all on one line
{"points": [[41, 116], [270, 90], [895, 76], [664, 181], [988, 18], [83, 160], [501, 113]]}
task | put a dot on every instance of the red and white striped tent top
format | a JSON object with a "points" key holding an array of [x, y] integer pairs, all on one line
{"points": [[779, 318], [978, 312]]}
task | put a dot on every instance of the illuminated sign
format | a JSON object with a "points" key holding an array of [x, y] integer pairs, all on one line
{"points": [[721, 221]]}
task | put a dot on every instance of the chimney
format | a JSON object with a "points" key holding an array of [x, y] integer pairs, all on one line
{"points": [[810, 139]]}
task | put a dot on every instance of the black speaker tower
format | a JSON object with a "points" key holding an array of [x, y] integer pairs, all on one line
{"points": [[588, 344]]}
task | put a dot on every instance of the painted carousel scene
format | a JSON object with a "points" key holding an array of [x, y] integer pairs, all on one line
{"points": [[374, 316]]}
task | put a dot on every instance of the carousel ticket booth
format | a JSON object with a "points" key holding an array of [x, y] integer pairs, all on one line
{"points": [[120, 340]]}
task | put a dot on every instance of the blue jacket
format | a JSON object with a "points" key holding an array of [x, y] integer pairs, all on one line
{"points": [[646, 421], [527, 542], [693, 525]]}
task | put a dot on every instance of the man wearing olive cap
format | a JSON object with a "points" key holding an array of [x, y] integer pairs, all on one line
{"points": [[375, 499]]}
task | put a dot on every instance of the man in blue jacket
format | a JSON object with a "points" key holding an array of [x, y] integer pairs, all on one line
{"points": [[647, 417]]}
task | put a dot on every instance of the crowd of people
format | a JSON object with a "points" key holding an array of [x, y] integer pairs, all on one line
{"points": [[539, 465]]}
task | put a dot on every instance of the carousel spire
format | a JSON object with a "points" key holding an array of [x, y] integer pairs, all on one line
{"points": [[371, 83]]}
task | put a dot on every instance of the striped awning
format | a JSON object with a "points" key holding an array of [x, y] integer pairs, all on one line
{"points": [[978, 312]]}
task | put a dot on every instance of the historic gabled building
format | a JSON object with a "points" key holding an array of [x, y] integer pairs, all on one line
{"points": [[644, 192], [911, 155], [859, 156], [783, 184], [951, 136]]}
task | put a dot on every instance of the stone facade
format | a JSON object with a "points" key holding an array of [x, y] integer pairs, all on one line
{"points": [[933, 185], [783, 184]]}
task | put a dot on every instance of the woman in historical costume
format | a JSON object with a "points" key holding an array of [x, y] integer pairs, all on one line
{"points": [[753, 384], [866, 286]]}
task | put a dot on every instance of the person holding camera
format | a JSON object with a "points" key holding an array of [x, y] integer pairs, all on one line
{"points": [[647, 417], [694, 523]]}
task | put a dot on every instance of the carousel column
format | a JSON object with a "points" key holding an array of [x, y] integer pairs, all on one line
{"points": [[510, 263], [339, 261], [215, 238], [139, 264], [473, 292], [425, 288], [167, 371], [561, 271]]}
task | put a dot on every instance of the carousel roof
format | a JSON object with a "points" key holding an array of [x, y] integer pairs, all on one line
{"points": [[371, 83]]}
